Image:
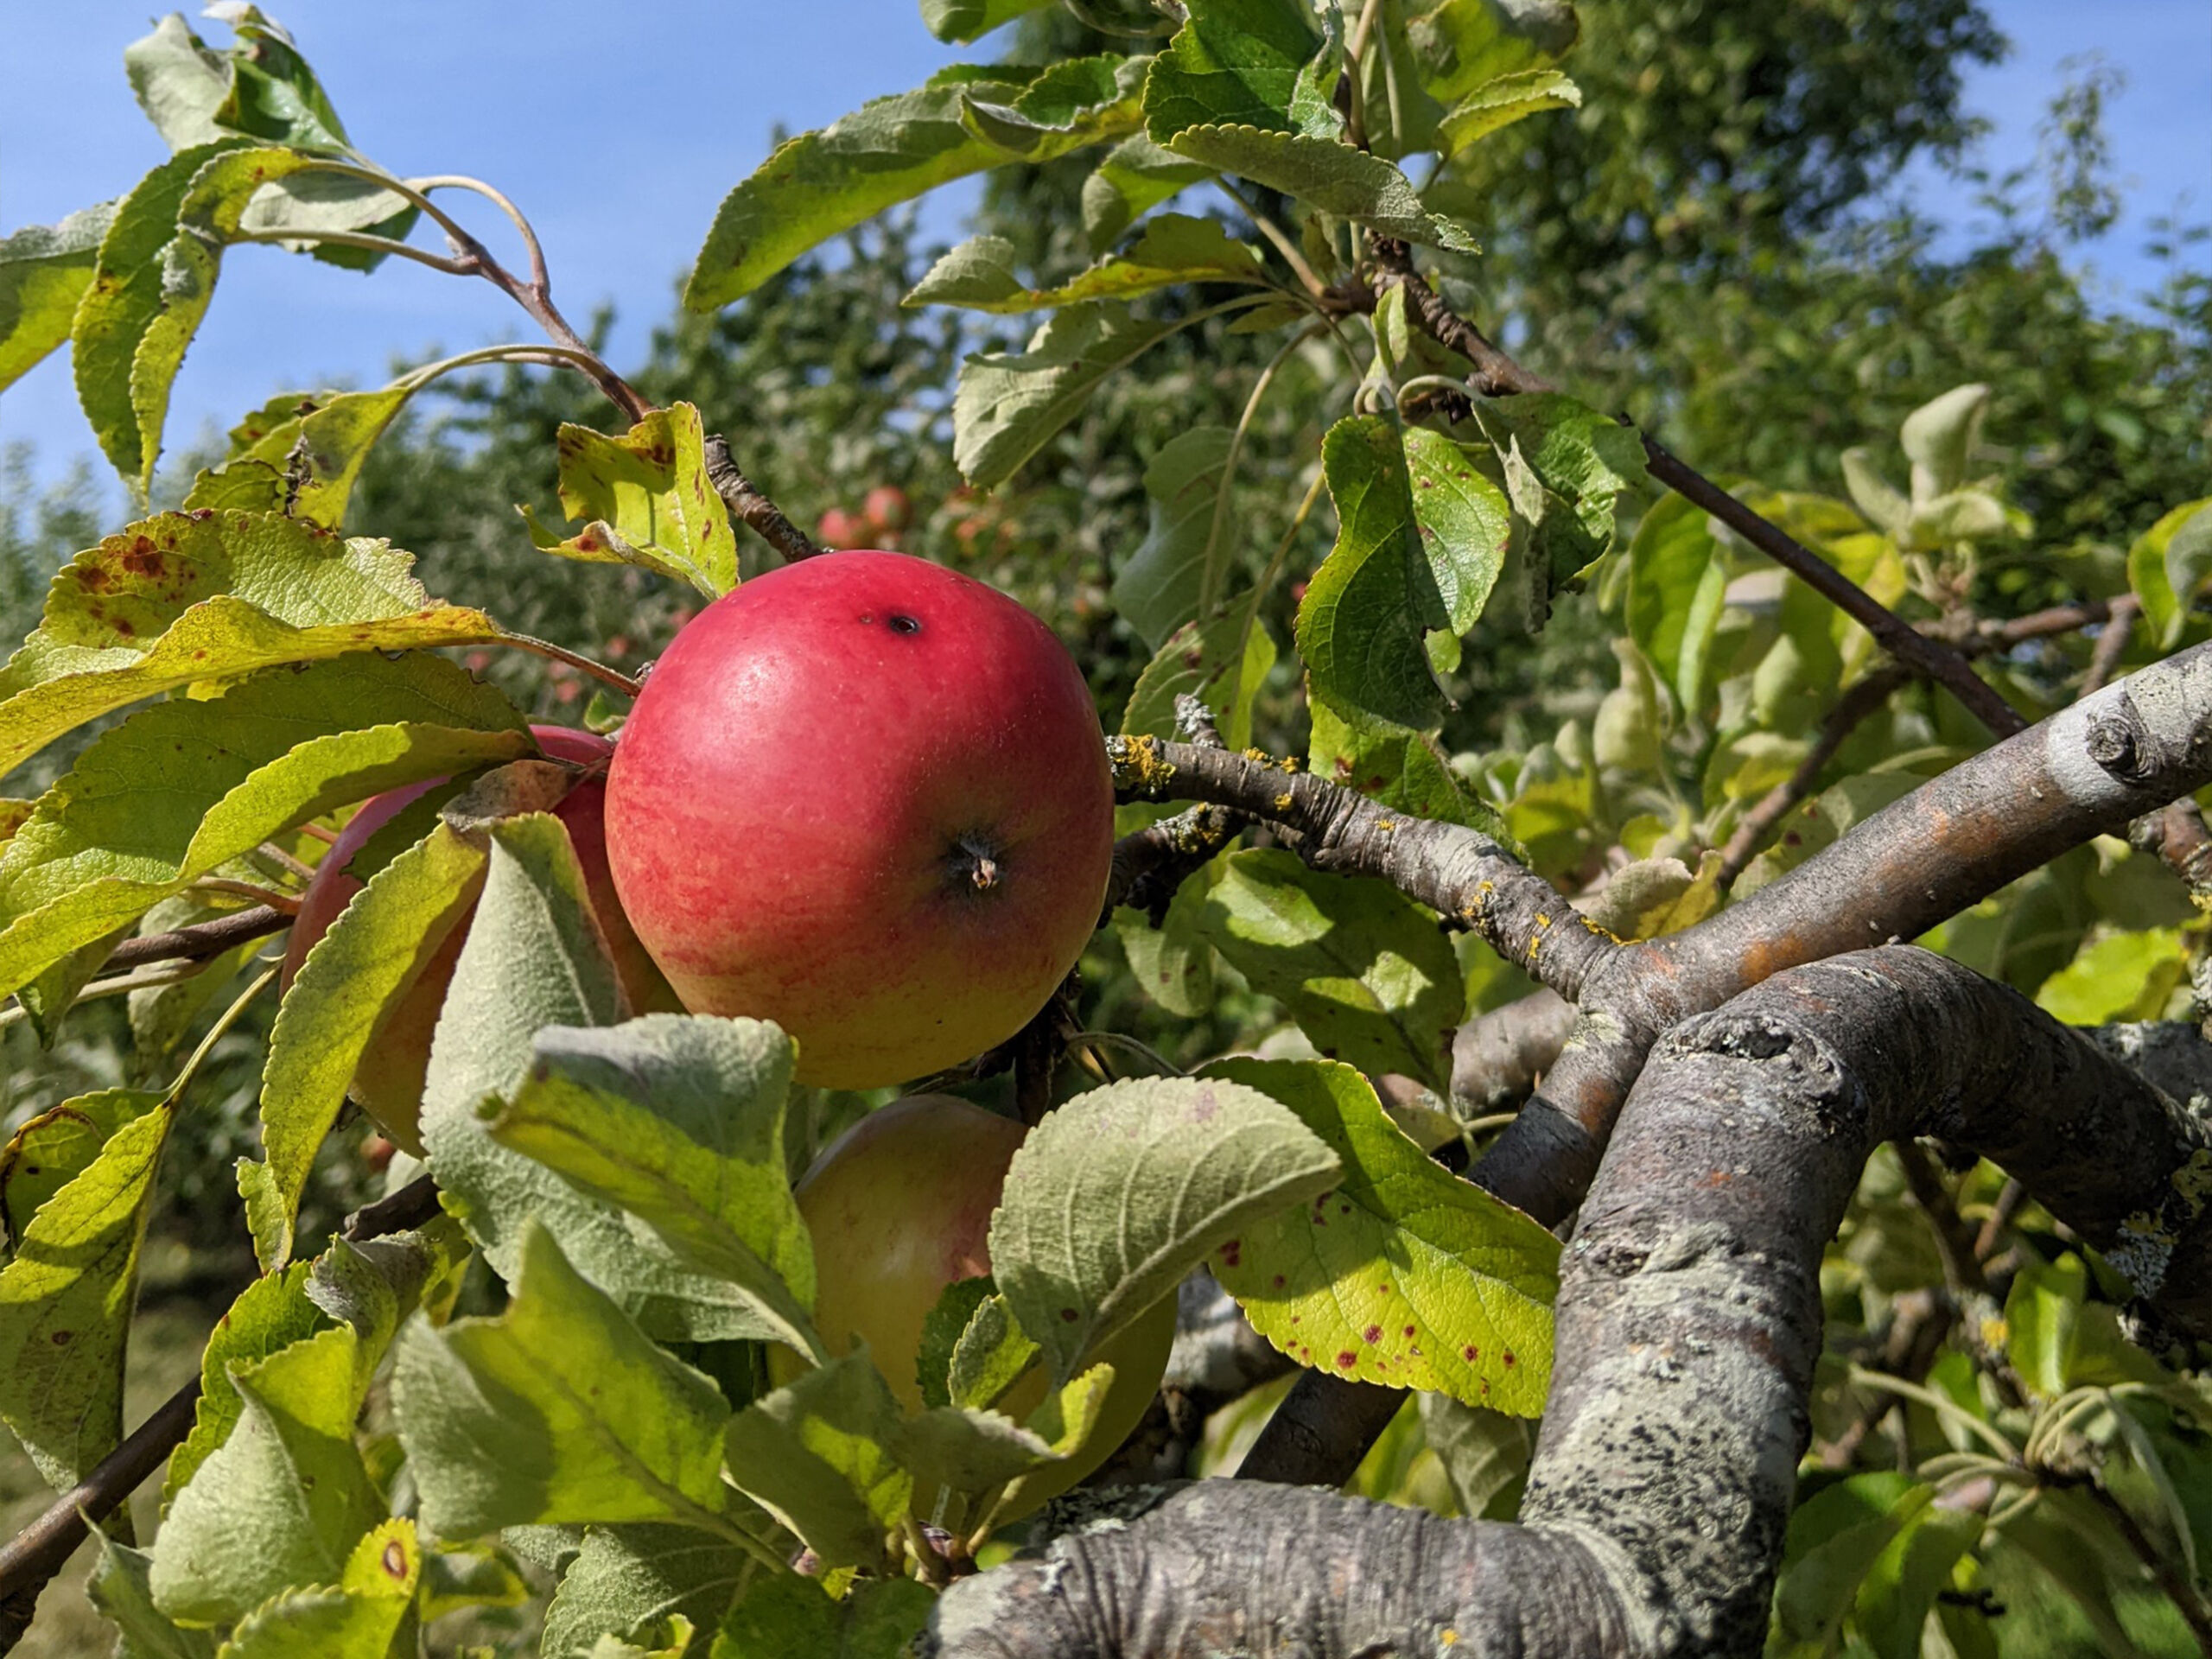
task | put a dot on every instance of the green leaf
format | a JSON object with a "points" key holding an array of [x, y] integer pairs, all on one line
{"points": [[1901, 1587], [356, 972], [1233, 62], [993, 1351], [2043, 1311], [1363, 622], [2167, 585], [151, 329], [941, 1331], [357, 1618], [787, 1617], [125, 295], [285, 1497], [1940, 438], [1485, 1454], [66, 1298], [1325, 173], [1462, 44], [1463, 523], [2118, 976], [625, 1578], [270, 1314], [1677, 581], [199, 599], [179, 788], [305, 466], [559, 1410], [979, 274], [1362, 969], [1404, 1275], [970, 19], [1159, 588], [44, 271], [818, 1455], [892, 149], [1396, 765], [1835, 1540], [1582, 457], [1009, 405], [178, 82], [48, 1151], [119, 1588], [648, 501], [535, 957], [1223, 662], [1120, 1191], [678, 1118], [1135, 177], [1501, 102], [967, 1450], [1171, 964]]}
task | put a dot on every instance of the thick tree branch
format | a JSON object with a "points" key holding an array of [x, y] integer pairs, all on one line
{"points": [[1689, 1322], [29, 1560], [1497, 1057], [1451, 868]]}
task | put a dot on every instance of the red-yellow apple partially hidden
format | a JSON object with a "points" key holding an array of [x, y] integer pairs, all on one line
{"points": [[899, 1206], [867, 797], [388, 1082]]}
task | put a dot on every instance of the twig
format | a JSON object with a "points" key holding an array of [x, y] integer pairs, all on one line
{"points": [[1929, 657], [614, 679], [2111, 644], [1496, 375], [746, 502], [202, 939], [31, 1559], [1954, 1241], [1858, 703]]}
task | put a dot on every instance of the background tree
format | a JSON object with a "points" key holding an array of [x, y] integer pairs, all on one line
{"points": [[1522, 661]]}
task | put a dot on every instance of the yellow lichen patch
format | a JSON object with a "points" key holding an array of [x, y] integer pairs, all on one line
{"points": [[1282, 801], [1138, 765]]}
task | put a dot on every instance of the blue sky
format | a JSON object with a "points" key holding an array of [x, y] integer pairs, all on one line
{"points": [[618, 129]]}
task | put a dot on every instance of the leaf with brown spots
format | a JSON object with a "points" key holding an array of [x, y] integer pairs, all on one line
{"points": [[646, 501], [198, 599], [1404, 1274]]}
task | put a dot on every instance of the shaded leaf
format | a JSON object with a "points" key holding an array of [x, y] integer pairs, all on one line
{"points": [[1008, 405], [558, 1410], [1135, 176], [357, 1618], [1323, 174], [66, 1300], [787, 1617], [1160, 585], [631, 1578], [678, 1118], [1232, 62], [1364, 970], [1120, 1191], [285, 1497], [1501, 102], [979, 274], [44, 271]]}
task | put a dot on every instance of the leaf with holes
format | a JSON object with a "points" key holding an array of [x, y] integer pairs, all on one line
{"points": [[647, 500]]}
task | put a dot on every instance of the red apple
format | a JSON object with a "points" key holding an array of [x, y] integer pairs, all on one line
{"points": [[899, 1206], [388, 1082], [887, 508], [840, 529], [866, 798]]}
